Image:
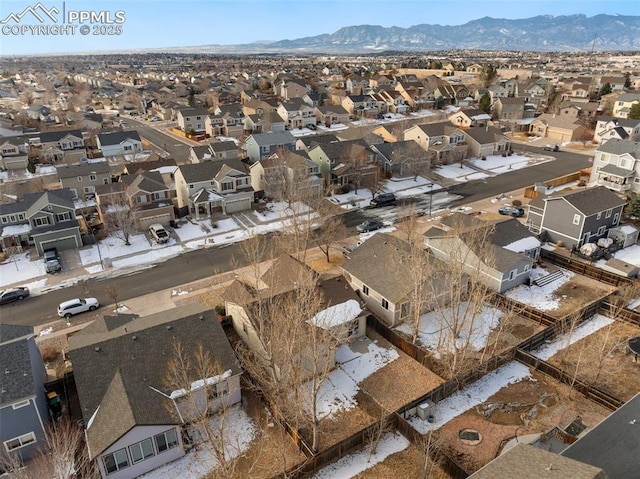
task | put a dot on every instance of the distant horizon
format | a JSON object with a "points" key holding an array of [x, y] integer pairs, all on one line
{"points": [[126, 26]]}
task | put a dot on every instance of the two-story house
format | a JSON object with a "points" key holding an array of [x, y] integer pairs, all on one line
{"points": [[213, 186], [402, 158], [329, 115], [485, 141], [60, 146], [555, 127], [616, 166], [82, 179], [623, 104], [469, 117], [608, 128], [13, 154], [508, 110], [360, 106], [339, 160], [264, 123], [223, 150], [444, 142], [575, 217], [287, 175], [297, 113], [119, 143], [135, 418], [23, 403], [192, 120], [262, 145], [288, 88], [44, 220]]}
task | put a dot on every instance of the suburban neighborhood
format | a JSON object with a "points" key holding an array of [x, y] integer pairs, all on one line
{"points": [[293, 266]]}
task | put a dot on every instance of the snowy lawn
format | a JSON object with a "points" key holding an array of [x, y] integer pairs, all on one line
{"points": [[565, 340], [409, 187], [239, 429], [459, 174], [280, 210], [339, 390], [472, 395], [435, 335], [352, 199], [20, 268], [357, 462], [203, 228], [498, 164], [540, 297], [630, 254]]}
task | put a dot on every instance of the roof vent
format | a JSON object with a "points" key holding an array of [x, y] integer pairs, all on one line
{"points": [[201, 318], [168, 327], [97, 349], [134, 337]]}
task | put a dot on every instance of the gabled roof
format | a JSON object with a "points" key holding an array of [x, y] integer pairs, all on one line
{"points": [[15, 364], [63, 198], [148, 181], [617, 146], [193, 112], [436, 129], [53, 136], [484, 135], [207, 171], [336, 150], [589, 201], [399, 150], [273, 138], [119, 371], [83, 169], [117, 137], [223, 146]]}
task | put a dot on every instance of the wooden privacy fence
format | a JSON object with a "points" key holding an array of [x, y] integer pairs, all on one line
{"points": [[595, 394], [584, 269], [623, 314], [507, 304]]}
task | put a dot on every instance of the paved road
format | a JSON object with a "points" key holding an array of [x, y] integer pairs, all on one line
{"points": [[200, 264], [175, 148]]}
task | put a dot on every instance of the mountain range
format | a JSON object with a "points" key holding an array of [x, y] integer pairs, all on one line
{"points": [[540, 33]]}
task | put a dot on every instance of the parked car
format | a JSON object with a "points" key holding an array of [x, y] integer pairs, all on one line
{"points": [[13, 294], [551, 147], [52, 262], [67, 309], [159, 233], [516, 211], [383, 199], [369, 225]]}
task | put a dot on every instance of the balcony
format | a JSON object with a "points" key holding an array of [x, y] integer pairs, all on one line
{"points": [[612, 185]]}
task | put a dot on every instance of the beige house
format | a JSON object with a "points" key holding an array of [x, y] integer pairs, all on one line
{"points": [[559, 128], [623, 104], [192, 119], [287, 175]]}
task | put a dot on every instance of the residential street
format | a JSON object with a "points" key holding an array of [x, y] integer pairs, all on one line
{"points": [[201, 263]]}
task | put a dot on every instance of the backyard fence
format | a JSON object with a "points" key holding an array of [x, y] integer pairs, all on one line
{"points": [[580, 267]]}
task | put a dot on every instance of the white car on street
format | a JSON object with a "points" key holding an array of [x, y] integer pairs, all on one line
{"points": [[67, 309]]}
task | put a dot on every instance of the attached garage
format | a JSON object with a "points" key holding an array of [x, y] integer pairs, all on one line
{"points": [[147, 221], [68, 242], [235, 203]]}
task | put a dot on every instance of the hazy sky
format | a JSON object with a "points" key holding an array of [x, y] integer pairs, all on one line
{"points": [[169, 23]]}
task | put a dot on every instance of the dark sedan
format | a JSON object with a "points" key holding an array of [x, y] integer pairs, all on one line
{"points": [[13, 294], [369, 225]]}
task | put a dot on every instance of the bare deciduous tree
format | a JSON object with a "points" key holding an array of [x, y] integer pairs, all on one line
{"points": [[119, 217]]}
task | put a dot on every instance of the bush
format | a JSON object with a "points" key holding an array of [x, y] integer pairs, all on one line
{"points": [[49, 354], [516, 203]]}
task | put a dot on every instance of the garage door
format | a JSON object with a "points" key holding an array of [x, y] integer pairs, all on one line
{"points": [[61, 244], [237, 205], [147, 221]]}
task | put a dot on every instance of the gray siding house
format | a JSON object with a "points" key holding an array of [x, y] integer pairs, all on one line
{"points": [[82, 179], [44, 220], [263, 145], [135, 419], [23, 402], [575, 217]]}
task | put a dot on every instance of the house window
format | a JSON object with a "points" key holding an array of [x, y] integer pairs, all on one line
{"points": [[405, 308], [44, 221], [5, 220], [599, 216], [601, 230], [63, 217], [227, 185], [576, 219], [166, 440], [158, 196], [20, 441], [21, 216], [88, 190], [217, 390], [527, 267], [385, 303], [141, 199], [608, 213], [20, 404], [79, 178], [105, 181], [115, 461], [512, 274], [616, 218], [365, 289], [92, 177], [127, 147], [12, 218], [141, 450]]}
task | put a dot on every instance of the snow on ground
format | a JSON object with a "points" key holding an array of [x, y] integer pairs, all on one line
{"points": [[541, 297], [357, 462], [20, 268], [409, 187], [189, 231], [239, 429], [339, 390], [434, 334], [565, 340], [630, 254], [352, 199], [458, 173], [498, 164], [280, 210], [474, 394]]}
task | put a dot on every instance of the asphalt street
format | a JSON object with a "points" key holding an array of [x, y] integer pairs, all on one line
{"points": [[199, 264]]}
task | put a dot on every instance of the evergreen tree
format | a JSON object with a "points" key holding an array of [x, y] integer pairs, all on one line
{"points": [[485, 103], [634, 112]]}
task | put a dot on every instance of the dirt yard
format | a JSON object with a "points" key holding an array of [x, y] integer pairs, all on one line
{"points": [[603, 359], [529, 406], [577, 293]]}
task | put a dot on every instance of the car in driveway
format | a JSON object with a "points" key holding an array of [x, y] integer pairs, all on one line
{"points": [[159, 233], [51, 259], [551, 147], [383, 199], [515, 211], [10, 295], [75, 306], [369, 225]]}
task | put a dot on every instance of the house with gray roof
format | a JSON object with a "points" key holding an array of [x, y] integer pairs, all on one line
{"points": [[134, 417], [43, 220], [60, 146], [485, 141], [262, 145], [402, 158], [119, 143], [82, 179], [498, 254], [192, 119], [444, 142], [203, 189], [23, 402], [608, 128], [616, 166], [623, 103], [575, 217]]}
